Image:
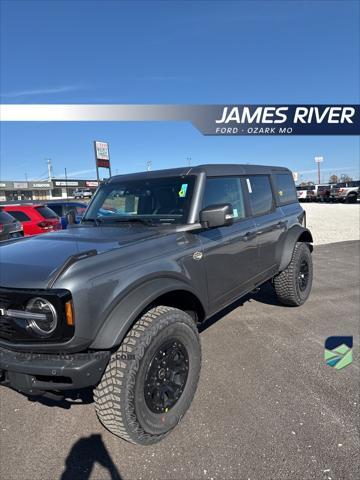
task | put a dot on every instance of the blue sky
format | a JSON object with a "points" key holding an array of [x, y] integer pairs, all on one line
{"points": [[174, 52]]}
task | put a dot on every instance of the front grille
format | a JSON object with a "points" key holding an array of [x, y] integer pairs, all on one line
{"points": [[7, 329]]}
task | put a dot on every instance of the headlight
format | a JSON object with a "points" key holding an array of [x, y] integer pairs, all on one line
{"points": [[42, 317]]}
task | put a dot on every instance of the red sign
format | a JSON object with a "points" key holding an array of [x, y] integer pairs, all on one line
{"points": [[103, 163]]}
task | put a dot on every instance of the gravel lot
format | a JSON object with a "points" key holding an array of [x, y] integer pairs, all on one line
{"points": [[331, 223], [267, 406]]}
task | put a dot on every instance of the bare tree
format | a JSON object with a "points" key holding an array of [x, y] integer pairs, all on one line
{"points": [[345, 178], [333, 179]]}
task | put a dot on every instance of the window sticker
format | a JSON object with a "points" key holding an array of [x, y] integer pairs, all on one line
{"points": [[182, 192], [235, 212], [249, 185]]}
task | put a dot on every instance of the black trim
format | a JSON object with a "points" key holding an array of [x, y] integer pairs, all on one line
{"points": [[37, 373]]}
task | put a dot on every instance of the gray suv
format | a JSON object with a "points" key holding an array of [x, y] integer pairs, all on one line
{"points": [[115, 302]]}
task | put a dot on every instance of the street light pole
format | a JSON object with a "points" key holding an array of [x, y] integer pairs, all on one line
{"points": [[318, 160]]}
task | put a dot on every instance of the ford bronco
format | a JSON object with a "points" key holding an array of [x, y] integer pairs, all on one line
{"points": [[114, 303]]}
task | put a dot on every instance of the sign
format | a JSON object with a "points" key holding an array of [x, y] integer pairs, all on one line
{"points": [[91, 184], [102, 151], [41, 185], [21, 185], [102, 156], [103, 163], [319, 159], [66, 184], [295, 176]]}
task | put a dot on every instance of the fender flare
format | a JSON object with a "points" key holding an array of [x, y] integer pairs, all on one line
{"points": [[295, 234], [131, 306]]}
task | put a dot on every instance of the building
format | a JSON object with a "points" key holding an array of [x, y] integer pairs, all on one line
{"points": [[43, 189]]}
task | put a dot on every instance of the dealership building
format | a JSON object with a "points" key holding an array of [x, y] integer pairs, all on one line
{"points": [[43, 189]]}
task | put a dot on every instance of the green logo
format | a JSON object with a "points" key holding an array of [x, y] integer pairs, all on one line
{"points": [[338, 351]]}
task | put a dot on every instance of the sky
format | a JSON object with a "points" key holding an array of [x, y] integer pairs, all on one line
{"points": [[177, 52]]}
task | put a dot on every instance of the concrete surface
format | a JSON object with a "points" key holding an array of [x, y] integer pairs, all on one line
{"points": [[331, 223], [267, 406]]}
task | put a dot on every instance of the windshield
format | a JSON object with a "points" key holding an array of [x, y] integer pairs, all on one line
{"points": [[158, 200]]}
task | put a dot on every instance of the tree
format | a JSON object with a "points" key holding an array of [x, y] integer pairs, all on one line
{"points": [[333, 179], [345, 178]]}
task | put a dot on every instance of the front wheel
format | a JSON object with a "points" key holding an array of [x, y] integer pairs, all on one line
{"points": [[293, 285], [151, 380]]}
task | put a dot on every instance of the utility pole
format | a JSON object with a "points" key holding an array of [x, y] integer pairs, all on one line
{"points": [[318, 160], [149, 165], [26, 177], [66, 184], [48, 161], [188, 159]]}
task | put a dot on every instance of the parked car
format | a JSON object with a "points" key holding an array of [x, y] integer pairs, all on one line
{"points": [[121, 296], [63, 208], [83, 193], [306, 193], [35, 219], [322, 192], [347, 192], [9, 226]]}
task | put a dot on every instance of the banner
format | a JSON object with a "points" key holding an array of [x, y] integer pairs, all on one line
{"points": [[208, 119]]}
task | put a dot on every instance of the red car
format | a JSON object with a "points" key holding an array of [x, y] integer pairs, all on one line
{"points": [[35, 219]]}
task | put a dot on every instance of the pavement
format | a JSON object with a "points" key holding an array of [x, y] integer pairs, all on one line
{"points": [[267, 406]]}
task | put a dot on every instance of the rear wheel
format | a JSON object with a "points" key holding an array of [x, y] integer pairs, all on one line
{"points": [[151, 380], [352, 198], [293, 285]]}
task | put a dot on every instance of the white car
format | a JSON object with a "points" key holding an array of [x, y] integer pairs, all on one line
{"points": [[83, 193], [306, 193]]}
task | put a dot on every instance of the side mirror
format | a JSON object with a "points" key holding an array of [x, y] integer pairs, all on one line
{"points": [[71, 217], [217, 215]]}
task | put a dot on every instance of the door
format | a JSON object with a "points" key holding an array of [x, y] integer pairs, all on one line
{"points": [[270, 222], [230, 253]]}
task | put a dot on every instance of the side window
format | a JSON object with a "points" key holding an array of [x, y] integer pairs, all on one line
{"points": [[225, 190], [20, 216], [57, 209], [260, 194], [285, 188]]}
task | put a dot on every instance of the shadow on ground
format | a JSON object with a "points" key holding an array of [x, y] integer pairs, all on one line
{"points": [[265, 294], [84, 454]]}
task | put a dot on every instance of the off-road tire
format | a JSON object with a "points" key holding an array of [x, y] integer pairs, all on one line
{"points": [[119, 397], [286, 283], [351, 198]]}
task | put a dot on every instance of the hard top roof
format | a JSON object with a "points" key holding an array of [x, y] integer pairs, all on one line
{"points": [[211, 170]]}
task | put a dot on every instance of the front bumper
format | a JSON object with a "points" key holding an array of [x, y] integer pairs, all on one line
{"points": [[37, 373]]}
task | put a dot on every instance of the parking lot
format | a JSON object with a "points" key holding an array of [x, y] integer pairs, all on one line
{"points": [[267, 406], [333, 222]]}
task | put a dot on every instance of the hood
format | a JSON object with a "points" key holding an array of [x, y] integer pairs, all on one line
{"points": [[32, 261]]}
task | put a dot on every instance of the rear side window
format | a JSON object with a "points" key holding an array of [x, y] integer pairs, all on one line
{"points": [[6, 217], [225, 190], [20, 216], [260, 194], [46, 212], [285, 188]]}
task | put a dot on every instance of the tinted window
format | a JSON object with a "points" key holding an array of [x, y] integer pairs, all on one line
{"points": [[5, 217], [21, 216], [46, 212], [225, 190], [57, 209], [260, 193], [285, 189]]}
